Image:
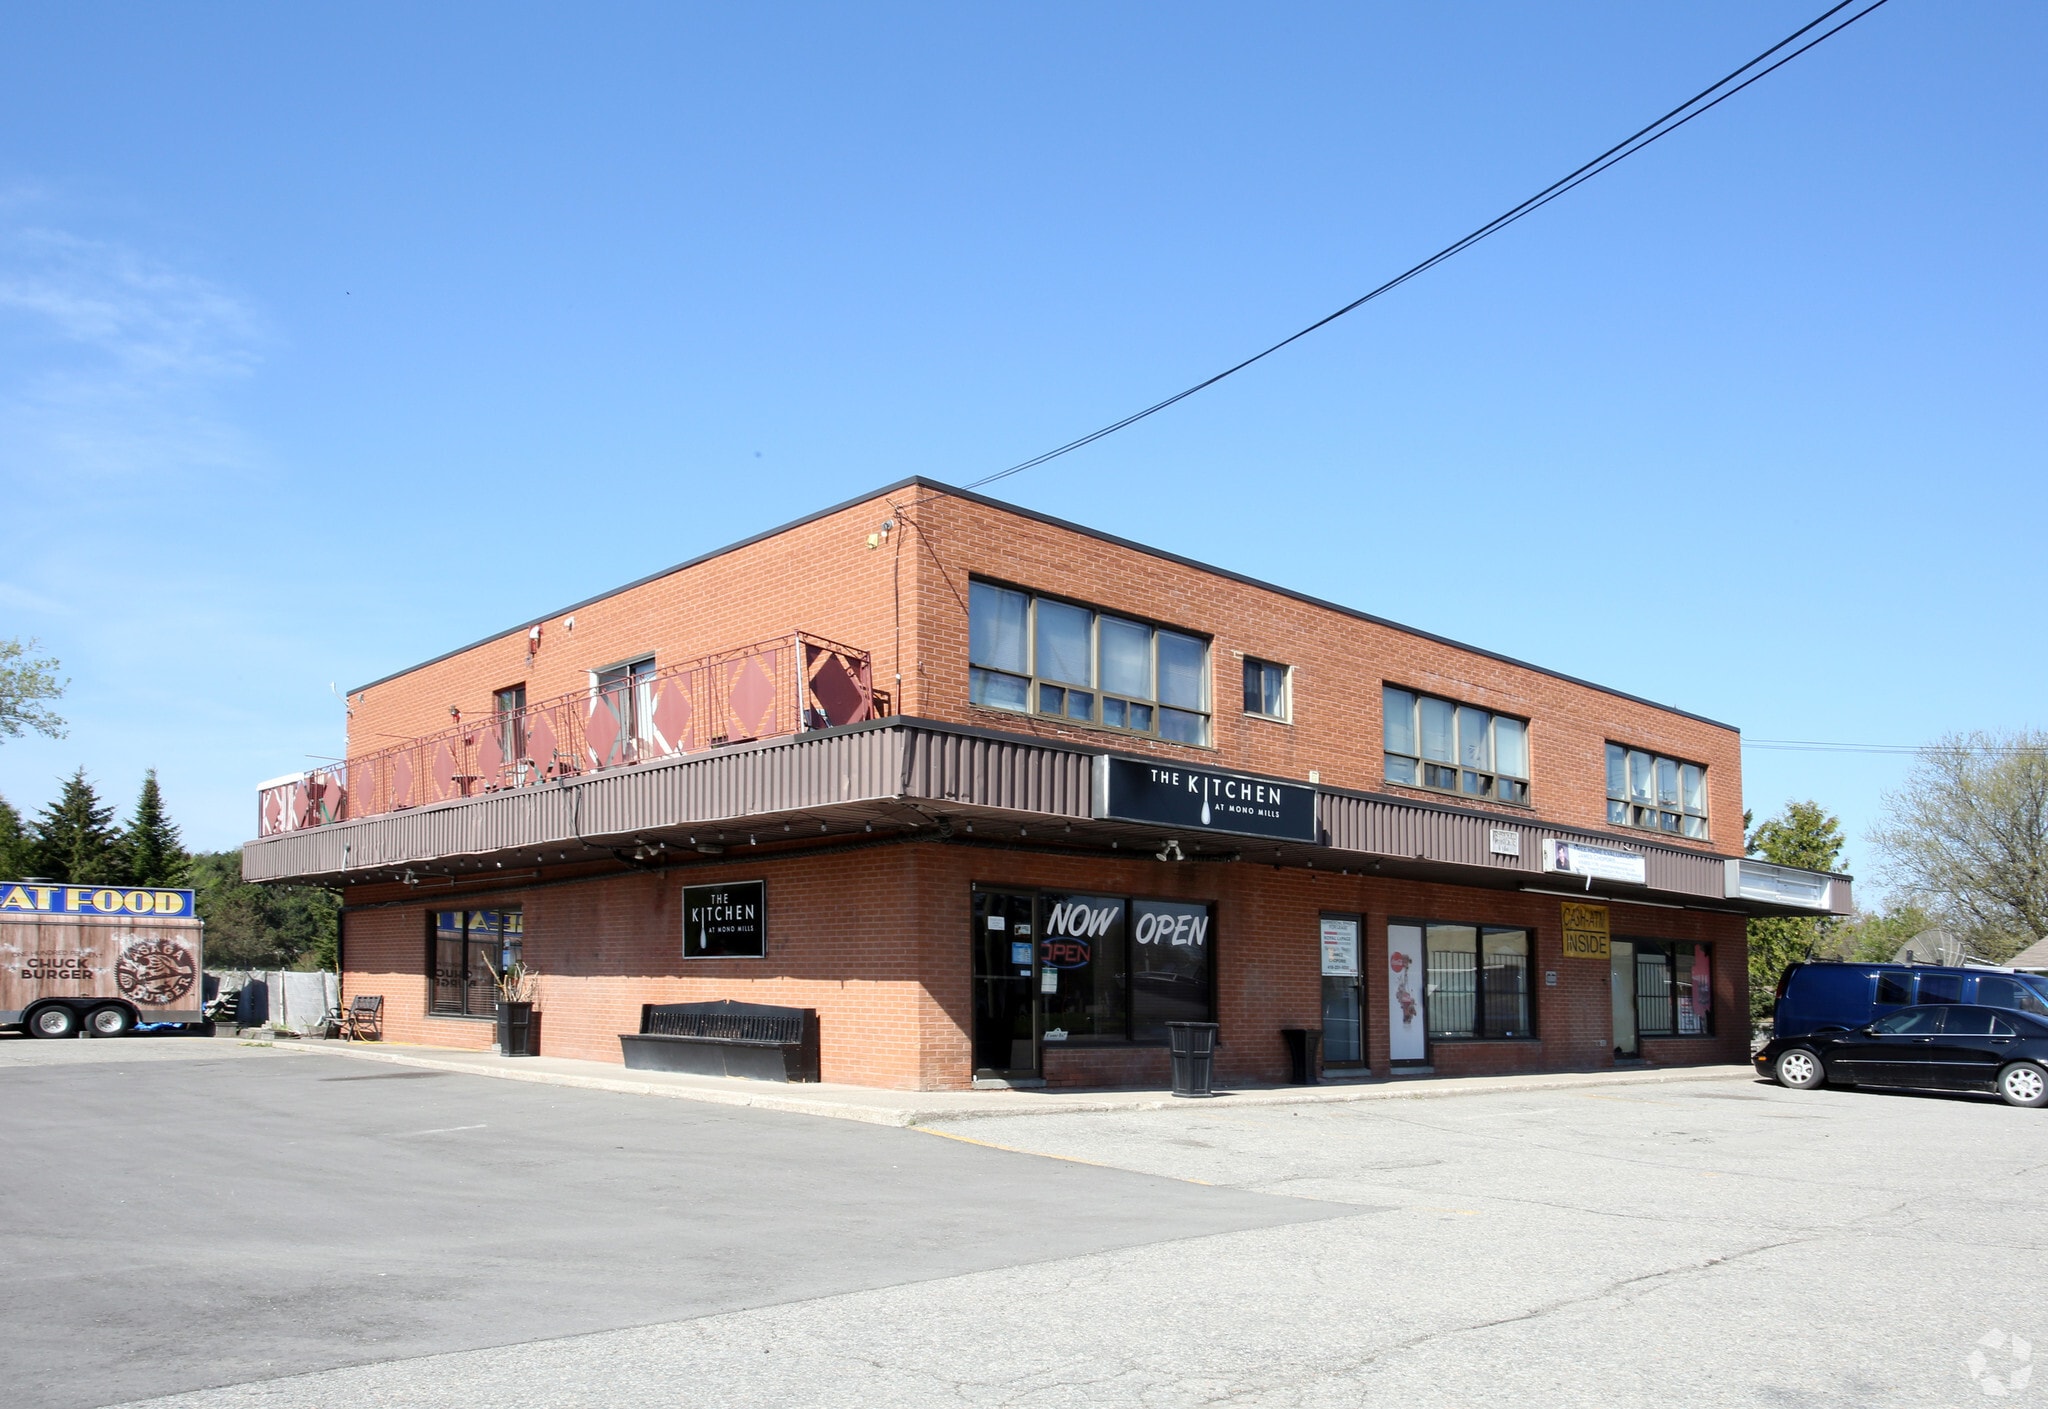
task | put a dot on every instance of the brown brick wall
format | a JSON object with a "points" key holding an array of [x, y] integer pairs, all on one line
{"points": [[1339, 665], [822, 577], [877, 941]]}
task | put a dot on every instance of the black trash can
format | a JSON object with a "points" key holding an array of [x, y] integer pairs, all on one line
{"points": [[1304, 1048], [518, 1030], [1194, 1057]]}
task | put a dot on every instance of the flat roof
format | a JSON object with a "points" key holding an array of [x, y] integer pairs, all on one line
{"points": [[920, 482]]}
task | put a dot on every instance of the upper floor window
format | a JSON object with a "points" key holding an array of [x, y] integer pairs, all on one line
{"points": [[1655, 793], [1265, 688], [1455, 748], [1040, 656], [626, 691]]}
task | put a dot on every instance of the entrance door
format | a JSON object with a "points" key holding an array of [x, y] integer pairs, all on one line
{"points": [[1005, 985], [1622, 975], [1343, 1028]]}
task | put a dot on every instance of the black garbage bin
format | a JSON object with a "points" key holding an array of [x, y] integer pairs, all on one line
{"points": [[1304, 1047], [1194, 1057]]}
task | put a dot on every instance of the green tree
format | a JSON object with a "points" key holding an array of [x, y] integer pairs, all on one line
{"points": [[16, 847], [1867, 938], [1808, 836], [1967, 837], [76, 840], [262, 927], [156, 853], [25, 682]]}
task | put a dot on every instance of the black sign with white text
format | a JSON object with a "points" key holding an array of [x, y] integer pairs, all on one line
{"points": [[1203, 799], [726, 922]]}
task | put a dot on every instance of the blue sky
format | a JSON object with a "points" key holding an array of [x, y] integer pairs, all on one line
{"points": [[334, 337]]}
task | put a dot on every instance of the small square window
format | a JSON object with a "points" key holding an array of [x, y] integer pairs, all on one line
{"points": [[1265, 688]]}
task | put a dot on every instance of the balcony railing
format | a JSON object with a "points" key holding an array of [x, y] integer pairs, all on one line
{"points": [[784, 686]]}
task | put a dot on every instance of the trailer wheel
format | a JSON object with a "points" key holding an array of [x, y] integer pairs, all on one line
{"points": [[110, 1020], [54, 1020]]}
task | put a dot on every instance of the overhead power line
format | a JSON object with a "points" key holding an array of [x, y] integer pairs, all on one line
{"points": [[1708, 98], [1825, 746]]}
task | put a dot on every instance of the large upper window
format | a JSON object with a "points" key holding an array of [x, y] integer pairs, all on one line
{"points": [[1455, 748], [1655, 793], [1037, 655]]}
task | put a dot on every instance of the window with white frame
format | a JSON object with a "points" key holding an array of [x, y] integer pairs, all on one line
{"points": [[1455, 748], [1655, 793], [1039, 655]]}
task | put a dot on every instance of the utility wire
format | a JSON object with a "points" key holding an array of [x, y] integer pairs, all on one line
{"points": [[1701, 102], [1824, 746]]}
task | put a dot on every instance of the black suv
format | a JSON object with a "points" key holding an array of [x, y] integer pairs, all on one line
{"points": [[1930, 1047]]}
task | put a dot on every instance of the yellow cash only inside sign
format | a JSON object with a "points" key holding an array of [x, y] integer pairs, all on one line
{"points": [[1585, 931]]}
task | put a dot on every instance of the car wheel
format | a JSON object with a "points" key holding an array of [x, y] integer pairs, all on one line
{"points": [[112, 1020], [2024, 1084], [1800, 1070], [54, 1021]]}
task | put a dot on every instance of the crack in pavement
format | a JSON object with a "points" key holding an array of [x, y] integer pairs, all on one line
{"points": [[1643, 1280]]}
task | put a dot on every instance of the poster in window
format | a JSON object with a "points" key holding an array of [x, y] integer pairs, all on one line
{"points": [[1340, 948], [1407, 1038], [727, 921]]}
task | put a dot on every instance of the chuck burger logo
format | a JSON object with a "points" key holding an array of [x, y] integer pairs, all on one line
{"points": [[156, 971]]}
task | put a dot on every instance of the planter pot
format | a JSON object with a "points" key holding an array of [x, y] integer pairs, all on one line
{"points": [[518, 1030]]}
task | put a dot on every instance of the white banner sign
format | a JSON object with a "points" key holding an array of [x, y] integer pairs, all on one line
{"points": [[1600, 863]]}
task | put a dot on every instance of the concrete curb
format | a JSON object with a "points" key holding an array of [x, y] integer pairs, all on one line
{"points": [[874, 1108]]}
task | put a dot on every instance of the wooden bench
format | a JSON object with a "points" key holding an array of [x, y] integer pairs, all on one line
{"points": [[726, 1038]]}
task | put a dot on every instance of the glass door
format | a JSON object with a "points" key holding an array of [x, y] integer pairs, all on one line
{"points": [[1005, 985], [1622, 974], [1343, 1025]]}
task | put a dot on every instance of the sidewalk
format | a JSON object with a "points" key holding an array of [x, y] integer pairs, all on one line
{"points": [[903, 1108]]}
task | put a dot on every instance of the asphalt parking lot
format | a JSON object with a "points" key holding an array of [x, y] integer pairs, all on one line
{"points": [[240, 1227]]}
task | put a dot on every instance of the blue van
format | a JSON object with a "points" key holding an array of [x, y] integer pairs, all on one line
{"points": [[1830, 997]]}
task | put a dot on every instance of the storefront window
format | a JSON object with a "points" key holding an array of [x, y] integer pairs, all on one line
{"points": [[1083, 966], [1115, 969], [1477, 981], [1037, 655], [1170, 975], [465, 948], [1674, 988]]}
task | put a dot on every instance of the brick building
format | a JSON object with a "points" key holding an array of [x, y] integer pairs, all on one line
{"points": [[999, 796]]}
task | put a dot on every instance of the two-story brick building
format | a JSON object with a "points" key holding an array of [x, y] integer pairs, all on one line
{"points": [[999, 796]]}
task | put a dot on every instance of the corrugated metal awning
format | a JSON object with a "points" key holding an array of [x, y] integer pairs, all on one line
{"points": [[915, 776]]}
